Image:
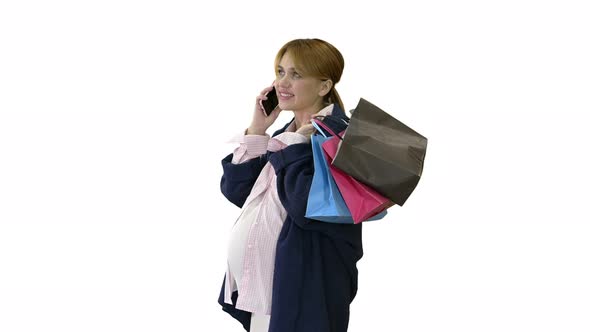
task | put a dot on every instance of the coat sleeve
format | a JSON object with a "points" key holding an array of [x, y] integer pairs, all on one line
{"points": [[293, 166], [238, 179]]}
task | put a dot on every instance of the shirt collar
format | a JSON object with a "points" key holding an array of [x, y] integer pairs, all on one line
{"points": [[324, 111]]}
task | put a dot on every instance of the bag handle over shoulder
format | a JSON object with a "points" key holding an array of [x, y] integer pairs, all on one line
{"points": [[317, 127], [316, 122]]}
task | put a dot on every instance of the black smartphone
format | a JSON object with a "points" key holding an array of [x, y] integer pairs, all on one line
{"points": [[271, 103]]}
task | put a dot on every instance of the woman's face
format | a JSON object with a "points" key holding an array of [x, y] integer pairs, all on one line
{"points": [[295, 92]]}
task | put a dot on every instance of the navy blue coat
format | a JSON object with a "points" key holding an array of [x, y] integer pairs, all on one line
{"points": [[315, 276]]}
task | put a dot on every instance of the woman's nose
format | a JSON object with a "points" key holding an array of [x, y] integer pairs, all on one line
{"points": [[282, 82]]}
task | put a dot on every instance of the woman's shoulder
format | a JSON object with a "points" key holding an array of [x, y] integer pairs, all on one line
{"points": [[337, 121]]}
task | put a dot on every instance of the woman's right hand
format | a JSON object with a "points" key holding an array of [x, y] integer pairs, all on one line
{"points": [[261, 122]]}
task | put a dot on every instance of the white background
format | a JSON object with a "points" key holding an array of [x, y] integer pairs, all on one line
{"points": [[114, 117]]}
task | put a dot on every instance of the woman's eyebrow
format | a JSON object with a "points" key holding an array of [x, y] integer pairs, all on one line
{"points": [[292, 68]]}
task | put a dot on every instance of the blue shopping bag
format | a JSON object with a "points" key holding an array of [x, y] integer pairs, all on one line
{"points": [[325, 203]]}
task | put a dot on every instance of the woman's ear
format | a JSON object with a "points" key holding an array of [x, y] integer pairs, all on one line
{"points": [[326, 87]]}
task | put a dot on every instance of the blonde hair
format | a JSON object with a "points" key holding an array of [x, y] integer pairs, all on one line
{"points": [[318, 59]]}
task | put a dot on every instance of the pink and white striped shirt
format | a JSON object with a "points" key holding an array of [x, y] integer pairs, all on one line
{"points": [[252, 247]]}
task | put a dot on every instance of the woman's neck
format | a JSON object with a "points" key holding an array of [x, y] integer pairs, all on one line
{"points": [[303, 117]]}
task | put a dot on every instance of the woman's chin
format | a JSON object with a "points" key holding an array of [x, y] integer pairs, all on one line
{"points": [[285, 106]]}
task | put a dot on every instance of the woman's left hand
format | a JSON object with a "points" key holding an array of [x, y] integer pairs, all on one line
{"points": [[306, 130]]}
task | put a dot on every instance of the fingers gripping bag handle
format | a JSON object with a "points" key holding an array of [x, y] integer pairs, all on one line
{"points": [[320, 123], [317, 127]]}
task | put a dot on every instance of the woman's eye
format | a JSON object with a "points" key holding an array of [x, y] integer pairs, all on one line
{"points": [[280, 72]]}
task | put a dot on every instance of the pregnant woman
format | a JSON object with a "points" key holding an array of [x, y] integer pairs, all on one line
{"points": [[285, 272]]}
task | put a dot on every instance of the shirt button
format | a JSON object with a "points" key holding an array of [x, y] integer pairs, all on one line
{"points": [[246, 271]]}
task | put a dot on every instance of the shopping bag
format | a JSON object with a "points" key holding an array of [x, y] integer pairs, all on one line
{"points": [[364, 202], [324, 202], [381, 152]]}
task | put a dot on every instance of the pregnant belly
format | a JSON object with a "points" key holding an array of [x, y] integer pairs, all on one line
{"points": [[237, 243]]}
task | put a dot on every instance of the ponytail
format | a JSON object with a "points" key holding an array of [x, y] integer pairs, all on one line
{"points": [[334, 97]]}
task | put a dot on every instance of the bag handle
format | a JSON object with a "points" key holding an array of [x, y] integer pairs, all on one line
{"points": [[318, 122], [317, 127]]}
